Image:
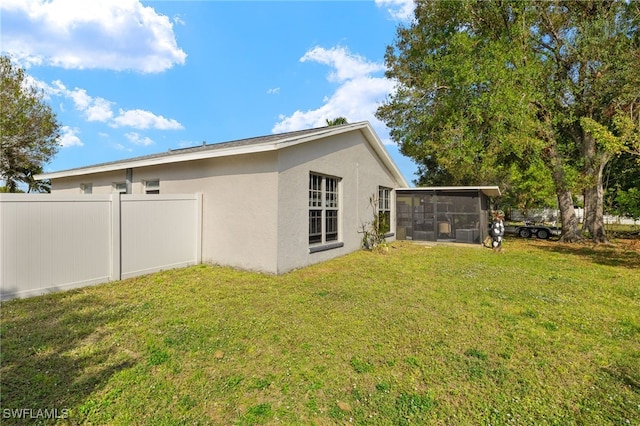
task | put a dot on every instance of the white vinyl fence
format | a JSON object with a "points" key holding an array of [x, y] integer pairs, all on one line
{"points": [[553, 215], [58, 242]]}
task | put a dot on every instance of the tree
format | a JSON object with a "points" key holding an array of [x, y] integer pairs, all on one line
{"points": [[29, 130], [492, 91], [336, 121], [529, 189], [622, 194], [593, 51]]}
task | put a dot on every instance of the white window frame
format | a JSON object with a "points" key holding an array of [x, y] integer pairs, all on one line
{"points": [[324, 209], [384, 204], [152, 186], [120, 187]]}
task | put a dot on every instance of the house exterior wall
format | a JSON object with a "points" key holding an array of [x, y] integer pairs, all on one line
{"points": [[239, 203], [102, 183], [346, 156], [256, 206]]}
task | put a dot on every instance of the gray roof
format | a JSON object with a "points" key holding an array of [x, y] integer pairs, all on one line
{"points": [[205, 147], [236, 147]]}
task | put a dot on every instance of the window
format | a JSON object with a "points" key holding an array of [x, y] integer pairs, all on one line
{"points": [[152, 187], [86, 188], [323, 209], [384, 209], [120, 187]]}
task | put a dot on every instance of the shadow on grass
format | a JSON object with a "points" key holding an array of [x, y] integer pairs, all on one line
{"points": [[55, 356], [624, 375], [611, 255]]}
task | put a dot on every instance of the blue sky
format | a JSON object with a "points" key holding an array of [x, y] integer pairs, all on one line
{"points": [[129, 78]]}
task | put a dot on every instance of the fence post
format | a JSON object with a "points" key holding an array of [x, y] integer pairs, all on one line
{"points": [[116, 245], [199, 228]]}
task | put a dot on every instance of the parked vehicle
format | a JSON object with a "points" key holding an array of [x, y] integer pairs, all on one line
{"points": [[540, 231]]}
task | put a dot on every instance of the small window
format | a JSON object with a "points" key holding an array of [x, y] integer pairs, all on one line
{"points": [[384, 209], [323, 209], [152, 187], [86, 188], [120, 187]]}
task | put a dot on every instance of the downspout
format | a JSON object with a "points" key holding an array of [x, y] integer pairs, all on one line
{"points": [[129, 180]]}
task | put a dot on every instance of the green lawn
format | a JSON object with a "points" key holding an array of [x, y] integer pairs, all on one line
{"points": [[542, 333]]}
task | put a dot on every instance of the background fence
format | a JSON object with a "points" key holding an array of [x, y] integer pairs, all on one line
{"points": [[56, 242], [553, 215]]}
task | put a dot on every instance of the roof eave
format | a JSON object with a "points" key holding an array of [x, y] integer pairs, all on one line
{"points": [[177, 158], [378, 146], [323, 132]]}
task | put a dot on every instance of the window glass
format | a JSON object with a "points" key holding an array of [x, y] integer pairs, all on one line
{"points": [[331, 192], [315, 191], [324, 199], [331, 225], [384, 209], [315, 226], [120, 187], [152, 187], [86, 188]]}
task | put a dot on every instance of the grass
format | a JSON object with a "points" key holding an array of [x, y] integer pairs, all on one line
{"points": [[542, 333]]}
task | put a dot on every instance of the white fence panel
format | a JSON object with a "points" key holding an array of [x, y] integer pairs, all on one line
{"points": [[553, 215], [53, 243], [159, 232], [57, 242]]}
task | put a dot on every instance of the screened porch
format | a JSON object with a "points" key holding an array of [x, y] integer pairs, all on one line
{"points": [[448, 214]]}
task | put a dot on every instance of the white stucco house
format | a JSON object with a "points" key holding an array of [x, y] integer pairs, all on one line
{"points": [[271, 203]]}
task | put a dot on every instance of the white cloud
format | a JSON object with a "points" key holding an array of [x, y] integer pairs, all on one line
{"points": [[105, 34], [401, 10], [120, 147], [136, 139], [80, 98], [273, 91], [178, 20], [69, 137], [140, 119], [100, 109], [346, 65], [94, 109], [356, 98]]}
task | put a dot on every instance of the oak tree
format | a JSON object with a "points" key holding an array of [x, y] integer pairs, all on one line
{"points": [[493, 91]]}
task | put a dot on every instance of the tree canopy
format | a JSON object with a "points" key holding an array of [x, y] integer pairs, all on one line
{"points": [[29, 130], [622, 183], [518, 93], [336, 121]]}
